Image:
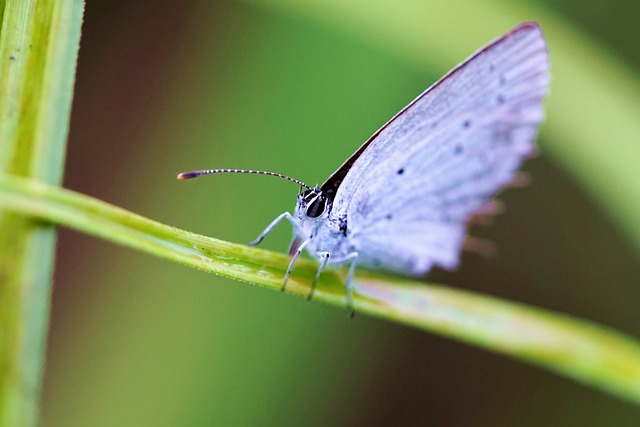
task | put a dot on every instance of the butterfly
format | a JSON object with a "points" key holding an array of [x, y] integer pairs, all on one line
{"points": [[401, 202]]}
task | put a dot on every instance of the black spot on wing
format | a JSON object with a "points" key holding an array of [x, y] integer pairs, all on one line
{"points": [[342, 221], [400, 171]]}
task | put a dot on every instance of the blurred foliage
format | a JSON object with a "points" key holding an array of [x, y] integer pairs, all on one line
{"points": [[169, 86], [578, 141]]}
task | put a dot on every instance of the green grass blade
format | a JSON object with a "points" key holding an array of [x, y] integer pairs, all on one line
{"points": [[594, 355], [38, 51]]}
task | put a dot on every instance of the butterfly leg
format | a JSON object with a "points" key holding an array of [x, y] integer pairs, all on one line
{"points": [[349, 291], [324, 257], [284, 215], [293, 260]]}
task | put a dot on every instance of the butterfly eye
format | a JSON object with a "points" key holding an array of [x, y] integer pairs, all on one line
{"points": [[316, 202], [317, 206]]}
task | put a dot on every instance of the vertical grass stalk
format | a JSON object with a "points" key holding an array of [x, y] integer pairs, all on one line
{"points": [[38, 51]]}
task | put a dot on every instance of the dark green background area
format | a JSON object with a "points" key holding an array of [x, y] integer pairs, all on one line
{"points": [[168, 86]]}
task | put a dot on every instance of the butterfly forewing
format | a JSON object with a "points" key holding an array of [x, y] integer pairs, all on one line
{"points": [[412, 186]]}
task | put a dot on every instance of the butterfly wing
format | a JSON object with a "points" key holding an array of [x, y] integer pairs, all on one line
{"points": [[408, 191]]}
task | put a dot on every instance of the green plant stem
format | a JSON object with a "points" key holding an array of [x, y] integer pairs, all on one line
{"points": [[591, 354], [38, 50]]}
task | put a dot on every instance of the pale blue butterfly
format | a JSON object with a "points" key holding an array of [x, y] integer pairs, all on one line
{"points": [[402, 200]]}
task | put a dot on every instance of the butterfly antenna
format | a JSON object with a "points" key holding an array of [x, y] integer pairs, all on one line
{"points": [[195, 174]]}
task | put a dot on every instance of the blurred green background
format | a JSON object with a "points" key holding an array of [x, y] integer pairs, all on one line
{"points": [[167, 86]]}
